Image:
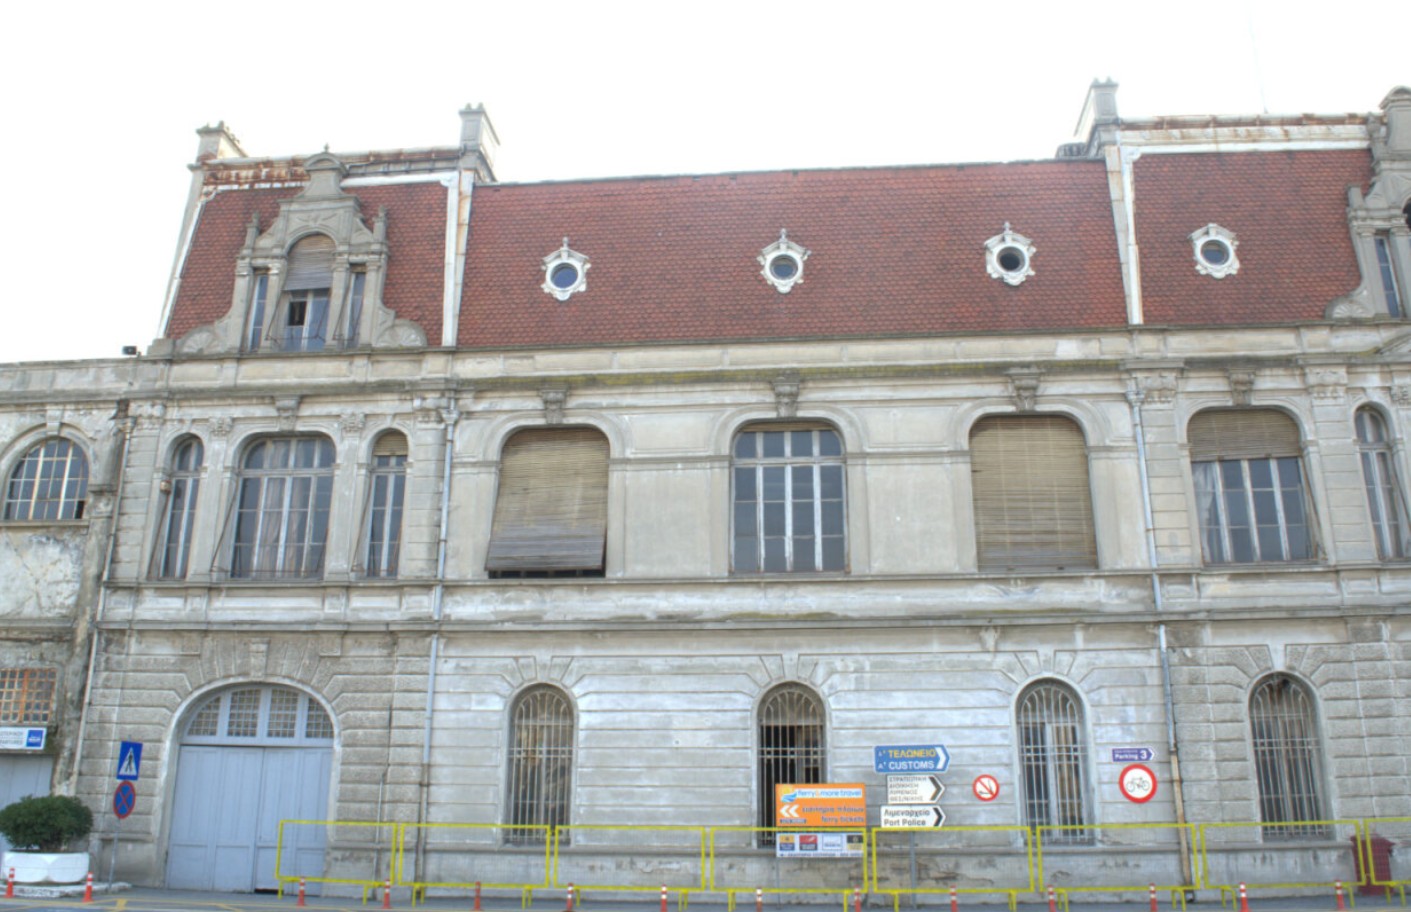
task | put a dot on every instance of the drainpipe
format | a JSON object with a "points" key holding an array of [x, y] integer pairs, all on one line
{"points": [[125, 428], [449, 415], [1135, 397]]}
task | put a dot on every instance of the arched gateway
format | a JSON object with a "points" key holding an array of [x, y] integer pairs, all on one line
{"points": [[249, 757]]}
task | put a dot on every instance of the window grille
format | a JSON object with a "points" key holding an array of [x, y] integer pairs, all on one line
{"points": [[541, 764], [792, 746], [1251, 499], [789, 512], [1033, 505], [174, 545], [281, 513], [1385, 498], [1286, 749], [27, 695], [386, 492], [50, 483], [1053, 758]]}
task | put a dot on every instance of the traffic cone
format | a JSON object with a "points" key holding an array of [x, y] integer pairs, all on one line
{"points": [[1152, 888], [758, 899], [301, 892], [1244, 899], [88, 888], [663, 898], [10, 885], [387, 894], [856, 899], [477, 896], [1337, 891], [1053, 903], [954, 903], [568, 899]]}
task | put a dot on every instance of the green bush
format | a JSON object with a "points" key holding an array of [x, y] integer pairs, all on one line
{"points": [[45, 824]]}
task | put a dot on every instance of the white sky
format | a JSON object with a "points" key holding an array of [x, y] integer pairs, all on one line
{"points": [[101, 101]]}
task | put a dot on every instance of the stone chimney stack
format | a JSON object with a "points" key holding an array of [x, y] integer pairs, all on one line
{"points": [[1396, 109], [479, 143], [217, 142], [1098, 122]]}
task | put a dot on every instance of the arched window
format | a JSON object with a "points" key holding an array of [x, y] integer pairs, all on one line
{"points": [[386, 492], [551, 509], [1247, 465], [789, 512], [1033, 507], [1053, 760], [1284, 731], [306, 292], [281, 515], [540, 764], [258, 714], [49, 483], [179, 512], [1385, 498], [792, 745]]}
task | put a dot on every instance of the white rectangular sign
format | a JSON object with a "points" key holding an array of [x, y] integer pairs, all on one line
{"points": [[914, 789], [22, 738], [911, 815]]}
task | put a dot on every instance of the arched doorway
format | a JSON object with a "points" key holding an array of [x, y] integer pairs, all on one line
{"points": [[249, 757]]}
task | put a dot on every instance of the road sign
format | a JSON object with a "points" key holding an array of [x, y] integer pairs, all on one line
{"points": [[1132, 755], [910, 815], [914, 789], [910, 758], [31, 739], [821, 804], [124, 799], [1138, 783], [985, 787], [129, 760]]}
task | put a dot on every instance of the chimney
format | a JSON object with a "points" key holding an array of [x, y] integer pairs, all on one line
{"points": [[217, 142], [1099, 119], [1396, 111], [478, 142]]}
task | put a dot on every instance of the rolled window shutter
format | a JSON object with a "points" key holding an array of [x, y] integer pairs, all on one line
{"points": [[551, 507], [1242, 434], [310, 264], [1033, 506], [390, 444]]}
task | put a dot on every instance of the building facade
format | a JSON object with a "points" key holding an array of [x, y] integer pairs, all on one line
{"points": [[618, 502]]}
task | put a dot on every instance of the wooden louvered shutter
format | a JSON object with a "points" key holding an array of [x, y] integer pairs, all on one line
{"points": [[1242, 434], [310, 264], [390, 444], [1033, 507], [551, 508]]}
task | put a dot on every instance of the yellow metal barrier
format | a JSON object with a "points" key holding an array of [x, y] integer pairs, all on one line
{"points": [[1265, 841], [1088, 838], [462, 840], [1368, 863], [377, 847], [757, 864], [972, 843], [646, 843]]}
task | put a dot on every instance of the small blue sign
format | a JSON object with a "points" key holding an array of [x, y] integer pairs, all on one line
{"points": [[34, 739], [910, 758], [124, 799], [1132, 755], [129, 760]]}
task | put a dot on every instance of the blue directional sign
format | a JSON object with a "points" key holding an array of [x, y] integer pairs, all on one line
{"points": [[129, 760], [34, 739], [1132, 755], [910, 758]]}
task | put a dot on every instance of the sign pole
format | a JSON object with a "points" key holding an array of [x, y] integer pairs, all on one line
{"points": [[113, 855], [911, 843]]}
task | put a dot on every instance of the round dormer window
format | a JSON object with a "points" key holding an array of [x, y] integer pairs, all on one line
{"points": [[1215, 252], [1012, 259], [564, 275], [784, 267], [565, 272], [783, 263], [1009, 257], [1214, 248]]}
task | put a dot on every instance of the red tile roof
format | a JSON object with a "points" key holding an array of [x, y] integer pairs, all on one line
{"points": [[416, 241], [1288, 212], [895, 251]]}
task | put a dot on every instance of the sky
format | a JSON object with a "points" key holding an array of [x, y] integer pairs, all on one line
{"points": [[102, 101]]}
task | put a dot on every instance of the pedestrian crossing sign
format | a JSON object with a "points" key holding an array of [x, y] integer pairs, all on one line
{"points": [[129, 760]]}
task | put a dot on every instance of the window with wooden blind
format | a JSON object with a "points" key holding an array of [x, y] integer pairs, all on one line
{"points": [[306, 291], [551, 506], [1033, 506], [789, 512], [27, 695], [1251, 499]]}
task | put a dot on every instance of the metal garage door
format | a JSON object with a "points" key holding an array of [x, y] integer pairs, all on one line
{"points": [[22, 775], [249, 757]]}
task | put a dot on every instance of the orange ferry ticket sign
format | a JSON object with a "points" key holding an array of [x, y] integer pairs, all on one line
{"points": [[821, 804]]}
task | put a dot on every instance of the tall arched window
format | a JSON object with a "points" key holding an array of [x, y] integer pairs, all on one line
{"points": [[789, 512], [179, 513], [1284, 731], [1385, 498], [792, 745], [1033, 507], [1053, 760], [49, 483], [281, 515], [540, 764], [387, 486], [306, 292]]}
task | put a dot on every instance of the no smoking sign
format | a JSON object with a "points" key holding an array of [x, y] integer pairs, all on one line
{"points": [[1137, 782], [985, 787]]}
